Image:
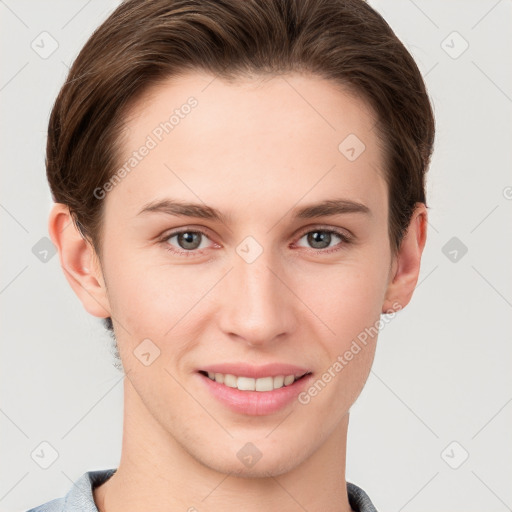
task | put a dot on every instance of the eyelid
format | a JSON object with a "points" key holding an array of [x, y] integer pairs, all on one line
{"points": [[183, 229], [319, 227]]}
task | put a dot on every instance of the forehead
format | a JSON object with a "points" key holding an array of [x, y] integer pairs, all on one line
{"points": [[288, 136]]}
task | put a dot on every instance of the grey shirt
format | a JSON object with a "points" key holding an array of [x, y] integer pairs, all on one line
{"points": [[80, 497]]}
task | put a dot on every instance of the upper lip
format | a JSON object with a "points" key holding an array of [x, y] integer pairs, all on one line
{"points": [[247, 370]]}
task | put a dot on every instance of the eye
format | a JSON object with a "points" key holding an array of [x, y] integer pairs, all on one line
{"points": [[320, 239], [188, 242]]}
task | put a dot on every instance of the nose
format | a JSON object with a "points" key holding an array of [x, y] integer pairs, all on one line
{"points": [[257, 306]]}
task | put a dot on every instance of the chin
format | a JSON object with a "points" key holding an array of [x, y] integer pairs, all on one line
{"points": [[269, 462], [262, 469]]}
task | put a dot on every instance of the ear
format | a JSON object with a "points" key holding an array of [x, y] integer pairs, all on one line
{"points": [[406, 264], [79, 262]]}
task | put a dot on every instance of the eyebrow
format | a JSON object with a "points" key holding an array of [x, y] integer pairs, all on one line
{"points": [[325, 208]]}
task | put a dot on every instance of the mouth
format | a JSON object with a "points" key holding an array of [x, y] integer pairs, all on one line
{"points": [[254, 390], [262, 384]]}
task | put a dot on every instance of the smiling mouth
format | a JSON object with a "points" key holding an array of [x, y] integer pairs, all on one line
{"points": [[263, 384]]}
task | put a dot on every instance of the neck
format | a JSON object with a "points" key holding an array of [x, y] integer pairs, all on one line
{"points": [[157, 473]]}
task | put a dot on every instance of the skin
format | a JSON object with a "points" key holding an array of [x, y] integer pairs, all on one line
{"points": [[254, 149]]}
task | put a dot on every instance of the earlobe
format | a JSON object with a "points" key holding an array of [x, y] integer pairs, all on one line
{"points": [[408, 260], [79, 262]]}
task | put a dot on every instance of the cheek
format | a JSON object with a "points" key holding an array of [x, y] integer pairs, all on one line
{"points": [[350, 307], [346, 297], [349, 303], [136, 286], [156, 301]]}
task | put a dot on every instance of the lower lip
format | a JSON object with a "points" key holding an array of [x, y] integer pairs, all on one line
{"points": [[255, 403]]}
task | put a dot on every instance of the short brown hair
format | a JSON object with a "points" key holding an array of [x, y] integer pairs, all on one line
{"points": [[143, 43]]}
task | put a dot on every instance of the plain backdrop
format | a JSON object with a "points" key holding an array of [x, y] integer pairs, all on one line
{"points": [[431, 430]]}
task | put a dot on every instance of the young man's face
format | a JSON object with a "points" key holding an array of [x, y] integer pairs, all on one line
{"points": [[261, 293]]}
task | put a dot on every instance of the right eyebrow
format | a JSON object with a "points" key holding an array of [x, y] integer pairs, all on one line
{"points": [[185, 209]]}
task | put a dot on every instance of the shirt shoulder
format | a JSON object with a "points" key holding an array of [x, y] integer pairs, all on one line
{"points": [[358, 499], [55, 505], [80, 497]]}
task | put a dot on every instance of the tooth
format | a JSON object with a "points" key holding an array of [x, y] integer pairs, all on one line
{"points": [[278, 381], [249, 384], [246, 384], [289, 380], [230, 380], [264, 384]]}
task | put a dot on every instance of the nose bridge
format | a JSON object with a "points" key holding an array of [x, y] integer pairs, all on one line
{"points": [[257, 306]]}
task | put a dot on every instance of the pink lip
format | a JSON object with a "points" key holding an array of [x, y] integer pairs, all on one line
{"points": [[247, 370], [255, 403]]}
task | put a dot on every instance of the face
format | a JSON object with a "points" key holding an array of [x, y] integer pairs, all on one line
{"points": [[217, 306]]}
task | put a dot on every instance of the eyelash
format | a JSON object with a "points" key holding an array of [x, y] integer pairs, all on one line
{"points": [[345, 240]]}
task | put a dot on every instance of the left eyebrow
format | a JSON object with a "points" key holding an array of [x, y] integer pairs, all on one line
{"points": [[331, 207], [202, 211]]}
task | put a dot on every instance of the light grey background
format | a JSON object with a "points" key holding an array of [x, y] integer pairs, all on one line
{"points": [[442, 371]]}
